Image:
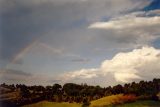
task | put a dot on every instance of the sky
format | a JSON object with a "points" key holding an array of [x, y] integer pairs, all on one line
{"points": [[98, 42]]}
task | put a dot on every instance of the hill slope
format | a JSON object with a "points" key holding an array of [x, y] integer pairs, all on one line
{"points": [[141, 104], [53, 104], [105, 101]]}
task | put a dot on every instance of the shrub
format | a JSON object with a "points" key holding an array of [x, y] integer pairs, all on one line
{"points": [[144, 97], [125, 99], [86, 103]]}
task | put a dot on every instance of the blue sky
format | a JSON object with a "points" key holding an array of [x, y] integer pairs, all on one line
{"points": [[155, 4], [49, 41]]}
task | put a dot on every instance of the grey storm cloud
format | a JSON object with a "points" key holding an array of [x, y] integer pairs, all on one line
{"points": [[80, 60], [20, 77], [13, 75], [25, 20], [14, 72]]}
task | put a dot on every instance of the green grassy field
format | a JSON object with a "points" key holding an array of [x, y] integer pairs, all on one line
{"points": [[142, 104], [103, 102], [53, 104], [135, 104], [97, 103]]}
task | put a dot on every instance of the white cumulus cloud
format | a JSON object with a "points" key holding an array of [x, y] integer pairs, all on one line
{"points": [[138, 28], [125, 67], [79, 74], [132, 65], [127, 23]]}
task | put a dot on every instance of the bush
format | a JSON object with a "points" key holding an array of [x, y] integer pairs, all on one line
{"points": [[125, 99], [128, 98], [144, 97], [155, 97], [86, 103]]}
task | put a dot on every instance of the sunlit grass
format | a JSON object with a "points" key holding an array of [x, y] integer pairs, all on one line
{"points": [[97, 103], [53, 104], [109, 101], [105, 101]]}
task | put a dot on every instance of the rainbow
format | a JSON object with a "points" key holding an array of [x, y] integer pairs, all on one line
{"points": [[22, 53]]}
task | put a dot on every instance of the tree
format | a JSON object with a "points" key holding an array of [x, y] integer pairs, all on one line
{"points": [[86, 103]]}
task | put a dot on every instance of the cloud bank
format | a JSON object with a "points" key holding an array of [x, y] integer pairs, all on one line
{"points": [[12, 76], [124, 67], [25, 20], [137, 28], [127, 23], [138, 64]]}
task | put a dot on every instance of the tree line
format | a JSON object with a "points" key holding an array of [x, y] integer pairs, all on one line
{"points": [[71, 92]]}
